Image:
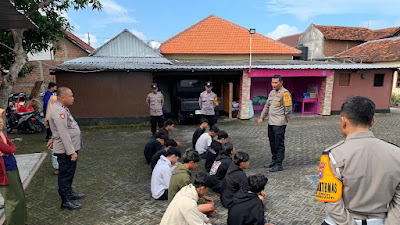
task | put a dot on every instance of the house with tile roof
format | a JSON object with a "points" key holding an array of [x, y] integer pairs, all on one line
{"points": [[382, 52], [220, 39], [291, 40], [71, 47], [325, 41]]}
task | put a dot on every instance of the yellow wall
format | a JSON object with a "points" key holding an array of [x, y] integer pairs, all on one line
{"points": [[395, 77], [227, 57]]}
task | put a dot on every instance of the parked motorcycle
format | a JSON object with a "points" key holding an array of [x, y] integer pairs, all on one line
{"points": [[23, 117]]}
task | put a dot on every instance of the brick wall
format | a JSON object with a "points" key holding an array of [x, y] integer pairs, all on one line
{"points": [[41, 71], [326, 95], [333, 47], [245, 84]]}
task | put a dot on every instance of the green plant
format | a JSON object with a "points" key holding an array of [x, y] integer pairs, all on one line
{"points": [[395, 98]]}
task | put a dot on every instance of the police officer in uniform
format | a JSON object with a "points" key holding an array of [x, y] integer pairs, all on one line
{"points": [[359, 177], [155, 101], [208, 102], [66, 142], [278, 108]]}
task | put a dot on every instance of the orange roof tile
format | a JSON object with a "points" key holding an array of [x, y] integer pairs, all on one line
{"points": [[214, 35], [78, 41], [344, 33], [291, 40], [382, 50], [383, 33]]}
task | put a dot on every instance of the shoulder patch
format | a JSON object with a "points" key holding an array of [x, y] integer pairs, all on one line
{"points": [[334, 146], [62, 115], [287, 99]]}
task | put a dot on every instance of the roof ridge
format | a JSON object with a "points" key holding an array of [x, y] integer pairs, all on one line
{"points": [[342, 26], [291, 35], [232, 24], [186, 30]]}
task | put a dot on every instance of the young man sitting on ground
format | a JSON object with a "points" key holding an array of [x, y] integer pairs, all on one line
{"points": [[221, 165], [248, 206], [183, 209], [205, 140], [168, 126], [181, 176], [213, 151], [153, 146], [162, 174], [235, 178], [168, 144], [199, 131]]}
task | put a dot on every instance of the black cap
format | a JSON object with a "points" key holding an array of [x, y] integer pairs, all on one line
{"points": [[153, 86], [203, 120], [164, 137], [209, 84]]}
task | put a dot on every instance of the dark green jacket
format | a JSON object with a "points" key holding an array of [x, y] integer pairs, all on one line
{"points": [[180, 178]]}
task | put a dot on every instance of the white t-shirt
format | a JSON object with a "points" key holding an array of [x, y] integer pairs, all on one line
{"points": [[203, 143]]}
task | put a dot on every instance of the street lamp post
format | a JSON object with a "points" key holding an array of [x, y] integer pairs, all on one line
{"points": [[251, 31]]}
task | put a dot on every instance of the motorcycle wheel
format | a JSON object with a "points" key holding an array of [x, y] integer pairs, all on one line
{"points": [[36, 127]]}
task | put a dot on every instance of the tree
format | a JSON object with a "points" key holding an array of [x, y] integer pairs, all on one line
{"points": [[16, 43]]}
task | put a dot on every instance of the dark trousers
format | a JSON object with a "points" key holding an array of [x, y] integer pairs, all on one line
{"points": [[48, 134], [154, 120], [276, 136], [163, 196], [210, 118], [66, 174]]}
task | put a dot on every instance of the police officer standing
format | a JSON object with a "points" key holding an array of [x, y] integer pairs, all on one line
{"points": [[155, 101], [66, 142], [208, 102], [278, 107], [359, 177]]}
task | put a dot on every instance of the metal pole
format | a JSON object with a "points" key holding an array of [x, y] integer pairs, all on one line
{"points": [[250, 52]]}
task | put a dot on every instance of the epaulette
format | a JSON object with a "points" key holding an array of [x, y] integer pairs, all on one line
{"points": [[334, 146], [390, 143]]}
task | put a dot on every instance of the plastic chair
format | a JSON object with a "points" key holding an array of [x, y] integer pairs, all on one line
{"points": [[295, 103]]}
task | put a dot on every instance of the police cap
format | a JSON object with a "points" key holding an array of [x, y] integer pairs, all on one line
{"points": [[154, 86], [209, 84]]}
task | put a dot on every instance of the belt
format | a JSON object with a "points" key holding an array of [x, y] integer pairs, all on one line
{"points": [[377, 221]]}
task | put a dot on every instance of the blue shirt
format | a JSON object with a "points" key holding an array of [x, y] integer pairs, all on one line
{"points": [[10, 162], [46, 99]]}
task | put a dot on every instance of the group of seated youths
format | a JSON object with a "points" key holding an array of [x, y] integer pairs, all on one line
{"points": [[188, 202]]}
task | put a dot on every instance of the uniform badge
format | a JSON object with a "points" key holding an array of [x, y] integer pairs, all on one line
{"points": [[329, 187], [62, 116], [276, 103]]}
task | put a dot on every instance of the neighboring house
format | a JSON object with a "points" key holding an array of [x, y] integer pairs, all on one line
{"points": [[383, 52], [71, 47], [291, 40], [325, 41]]}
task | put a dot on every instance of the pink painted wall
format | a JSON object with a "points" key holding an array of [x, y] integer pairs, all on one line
{"points": [[363, 87], [295, 85]]}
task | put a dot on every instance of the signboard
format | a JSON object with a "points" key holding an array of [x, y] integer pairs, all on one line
{"points": [[290, 73]]}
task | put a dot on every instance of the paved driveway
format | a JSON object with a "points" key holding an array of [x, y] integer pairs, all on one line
{"points": [[113, 173]]}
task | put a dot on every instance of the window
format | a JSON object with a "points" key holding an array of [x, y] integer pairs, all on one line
{"points": [[344, 79], [378, 80], [398, 80]]}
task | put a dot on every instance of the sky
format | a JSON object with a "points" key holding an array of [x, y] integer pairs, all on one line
{"points": [[161, 19]]}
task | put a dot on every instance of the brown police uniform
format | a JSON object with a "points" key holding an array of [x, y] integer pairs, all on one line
{"points": [[278, 108], [155, 103], [369, 170], [67, 140]]}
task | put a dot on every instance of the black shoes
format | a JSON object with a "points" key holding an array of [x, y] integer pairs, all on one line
{"points": [[270, 164], [71, 205], [276, 168], [76, 196]]}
